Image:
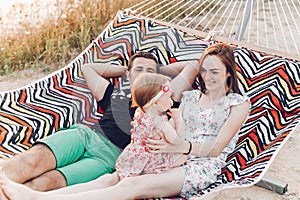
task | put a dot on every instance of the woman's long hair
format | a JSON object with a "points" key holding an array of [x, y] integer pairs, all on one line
{"points": [[225, 53]]}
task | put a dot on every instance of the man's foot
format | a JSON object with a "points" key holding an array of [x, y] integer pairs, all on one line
{"points": [[13, 190], [2, 195]]}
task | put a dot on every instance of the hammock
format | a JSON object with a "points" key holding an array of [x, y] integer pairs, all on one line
{"points": [[61, 99]]}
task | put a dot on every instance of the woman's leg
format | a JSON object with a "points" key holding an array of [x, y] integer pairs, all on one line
{"points": [[151, 185], [179, 159], [104, 181], [146, 186]]}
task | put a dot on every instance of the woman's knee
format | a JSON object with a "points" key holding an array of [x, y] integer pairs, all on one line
{"points": [[153, 185], [107, 180], [131, 186], [128, 181]]}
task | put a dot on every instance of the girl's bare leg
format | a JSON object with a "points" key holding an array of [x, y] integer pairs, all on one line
{"points": [[2, 196], [153, 185]]}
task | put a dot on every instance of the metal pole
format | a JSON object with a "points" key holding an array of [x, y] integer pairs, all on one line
{"points": [[245, 19]]}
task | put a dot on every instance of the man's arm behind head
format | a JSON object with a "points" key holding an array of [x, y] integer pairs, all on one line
{"points": [[96, 75], [183, 73]]}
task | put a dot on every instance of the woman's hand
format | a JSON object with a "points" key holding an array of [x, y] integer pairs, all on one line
{"points": [[162, 146]]}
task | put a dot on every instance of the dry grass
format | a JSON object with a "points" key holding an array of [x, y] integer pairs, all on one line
{"points": [[59, 38]]}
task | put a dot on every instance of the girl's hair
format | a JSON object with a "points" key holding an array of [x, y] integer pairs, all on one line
{"points": [[225, 53], [143, 54], [145, 87]]}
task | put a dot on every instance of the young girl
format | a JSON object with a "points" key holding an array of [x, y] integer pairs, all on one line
{"points": [[152, 94], [212, 117]]}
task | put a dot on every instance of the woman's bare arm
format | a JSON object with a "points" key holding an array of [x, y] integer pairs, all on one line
{"points": [[233, 123]]}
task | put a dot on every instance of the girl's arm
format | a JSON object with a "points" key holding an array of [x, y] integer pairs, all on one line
{"points": [[173, 130], [176, 120], [169, 133]]}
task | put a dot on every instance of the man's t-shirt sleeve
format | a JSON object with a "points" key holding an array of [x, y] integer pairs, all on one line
{"points": [[104, 103]]}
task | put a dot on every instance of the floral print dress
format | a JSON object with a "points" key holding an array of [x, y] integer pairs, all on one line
{"points": [[135, 158], [204, 125]]}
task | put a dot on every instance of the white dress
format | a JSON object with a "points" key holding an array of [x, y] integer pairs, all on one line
{"points": [[204, 125]]}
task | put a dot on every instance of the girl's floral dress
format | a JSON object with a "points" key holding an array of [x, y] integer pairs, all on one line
{"points": [[204, 125], [136, 159]]}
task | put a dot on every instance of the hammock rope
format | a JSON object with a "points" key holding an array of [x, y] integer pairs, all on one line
{"points": [[170, 8], [183, 13], [161, 8], [200, 13], [235, 20], [230, 14], [210, 11], [265, 25], [222, 16], [288, 24], [280, 25], [178, 10], [273, 24]]}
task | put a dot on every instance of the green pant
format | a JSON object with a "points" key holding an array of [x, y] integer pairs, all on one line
{"points": [[81, 153]]}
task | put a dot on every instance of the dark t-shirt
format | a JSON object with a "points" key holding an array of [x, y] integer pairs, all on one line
{"points": [[118, 113], [115, 123]]}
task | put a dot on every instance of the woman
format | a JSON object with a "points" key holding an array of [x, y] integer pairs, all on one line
{"points": [[212, 117]]}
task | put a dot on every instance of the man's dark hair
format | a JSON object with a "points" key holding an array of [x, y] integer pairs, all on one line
{"points": [[143, 54]]}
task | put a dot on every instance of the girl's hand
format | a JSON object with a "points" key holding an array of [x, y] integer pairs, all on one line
{"points": [[175, 114], [133, 123]]}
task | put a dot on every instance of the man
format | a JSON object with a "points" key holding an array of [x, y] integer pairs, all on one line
{"points": [[80, 154]]}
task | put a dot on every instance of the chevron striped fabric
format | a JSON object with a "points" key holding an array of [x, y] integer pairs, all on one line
{"points": [[62, 99]]}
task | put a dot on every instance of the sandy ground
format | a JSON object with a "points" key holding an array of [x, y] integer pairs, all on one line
{"points": [[285, 167]]}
